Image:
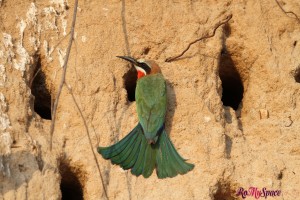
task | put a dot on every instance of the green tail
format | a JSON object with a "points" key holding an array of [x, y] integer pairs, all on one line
{"points": [[134, 152]]}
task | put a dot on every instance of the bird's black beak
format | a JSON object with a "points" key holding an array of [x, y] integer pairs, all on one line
{"points": [[130, 59], [136, 63]]}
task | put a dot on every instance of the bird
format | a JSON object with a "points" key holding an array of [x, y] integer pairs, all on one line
{"points": [[148, 146]]}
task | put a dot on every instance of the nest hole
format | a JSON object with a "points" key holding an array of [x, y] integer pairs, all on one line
{"points": [[225, 192], [297, 75], [130, 79], [42, 100], [70, 185], [232, 85]]}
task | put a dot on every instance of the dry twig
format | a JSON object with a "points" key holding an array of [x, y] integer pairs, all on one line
{"points": [[288, 12], [36, 73], [62, 82], [63, 76], [89, 137], [170, 59]]}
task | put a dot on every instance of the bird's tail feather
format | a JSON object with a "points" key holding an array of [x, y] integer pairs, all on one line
{"points": [[168, 162], [134, 152]]}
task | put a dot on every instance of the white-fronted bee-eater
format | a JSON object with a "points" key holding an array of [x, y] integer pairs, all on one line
{"points": [[148, 146]]}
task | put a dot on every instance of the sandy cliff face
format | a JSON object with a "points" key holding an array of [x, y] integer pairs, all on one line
{"points": [[251, 65]]}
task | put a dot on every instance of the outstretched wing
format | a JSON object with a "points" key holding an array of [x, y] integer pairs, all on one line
{"points": [[151, 102]]}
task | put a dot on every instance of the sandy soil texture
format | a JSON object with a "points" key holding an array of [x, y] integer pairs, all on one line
{"points": [[233, 99]]}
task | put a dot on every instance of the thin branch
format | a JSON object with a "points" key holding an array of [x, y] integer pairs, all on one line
{"points": [[125, 28], [63, 76], [60, 41], [34, 76], [89, 137], [36, 73], [170, 59], [52, 51], [288, 12]]}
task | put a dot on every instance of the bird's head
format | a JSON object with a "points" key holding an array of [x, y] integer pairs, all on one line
{"points": [[143, 67]]}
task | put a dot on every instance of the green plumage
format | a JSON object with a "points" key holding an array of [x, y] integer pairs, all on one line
{"points": [[148, 146], [151, 104]]}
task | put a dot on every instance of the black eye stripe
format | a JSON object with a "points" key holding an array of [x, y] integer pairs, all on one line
{"points": [[145, 67]]}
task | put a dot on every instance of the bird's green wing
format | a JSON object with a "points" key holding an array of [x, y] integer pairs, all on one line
{"points": [[151, 102]]}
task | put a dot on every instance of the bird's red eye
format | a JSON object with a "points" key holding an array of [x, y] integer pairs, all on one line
{"points": [[140, 74]]}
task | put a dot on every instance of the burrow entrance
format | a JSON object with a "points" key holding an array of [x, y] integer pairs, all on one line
{"points": [[38, 86], [297, 74], [70, 186], [232, 85], [130, 79], [225, 192]]}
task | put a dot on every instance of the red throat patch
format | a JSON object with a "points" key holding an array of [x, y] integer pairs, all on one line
{"points": [[140, 74]]}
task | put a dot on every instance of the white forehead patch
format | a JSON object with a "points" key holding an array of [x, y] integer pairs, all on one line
{"points": [[141, 60]]}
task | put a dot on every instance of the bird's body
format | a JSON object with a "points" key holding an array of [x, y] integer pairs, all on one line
{"points": [[148, 146], [151, 101]]}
